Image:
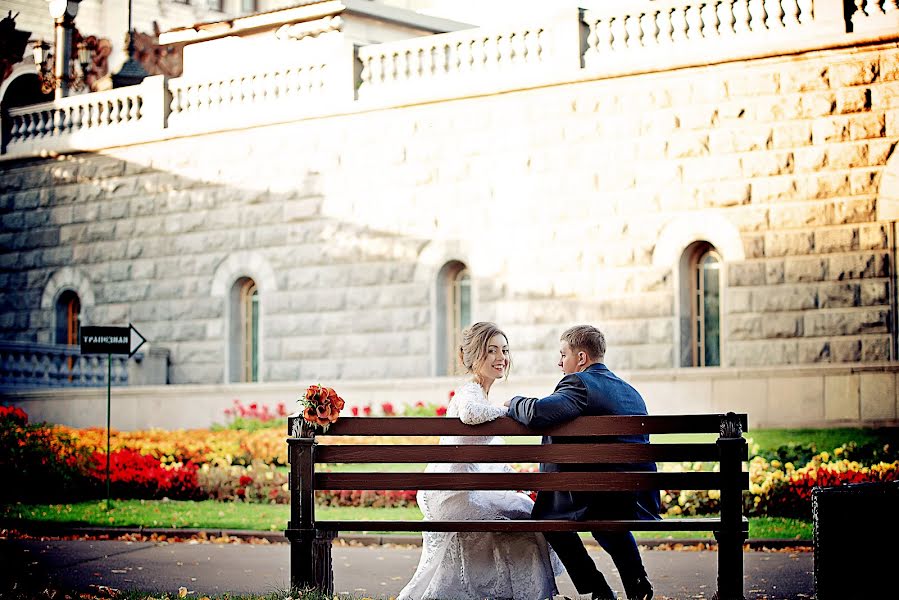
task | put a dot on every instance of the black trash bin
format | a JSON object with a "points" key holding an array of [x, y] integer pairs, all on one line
{"points": [[856, 534]]}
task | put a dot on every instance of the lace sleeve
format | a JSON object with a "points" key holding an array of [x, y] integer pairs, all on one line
{"points": [[473, 406]]}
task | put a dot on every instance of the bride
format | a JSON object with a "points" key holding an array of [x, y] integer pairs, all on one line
{"points": [[480, 565]]}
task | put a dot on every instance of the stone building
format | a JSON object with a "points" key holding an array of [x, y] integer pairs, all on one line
{"points": [[716, 188]]}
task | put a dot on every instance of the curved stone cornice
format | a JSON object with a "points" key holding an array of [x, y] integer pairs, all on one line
{"points": [[68, 278], [683, 231], [243, 264]]}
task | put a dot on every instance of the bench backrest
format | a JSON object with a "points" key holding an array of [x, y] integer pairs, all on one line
{"points": [[308, 448]]}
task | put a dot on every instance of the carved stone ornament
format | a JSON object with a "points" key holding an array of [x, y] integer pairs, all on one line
{"points": [[299, 31]]}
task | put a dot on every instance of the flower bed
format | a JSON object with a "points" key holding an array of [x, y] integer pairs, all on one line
{"points": [[245, 461]]}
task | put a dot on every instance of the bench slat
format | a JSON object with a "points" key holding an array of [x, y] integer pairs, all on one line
{"points": [[551, 453], [605, 425], [690, 524], [572, 481]]}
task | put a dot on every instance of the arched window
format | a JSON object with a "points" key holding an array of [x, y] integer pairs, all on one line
{"points": [[701, 306], [68, 318], [244, 334], [453, 314]]}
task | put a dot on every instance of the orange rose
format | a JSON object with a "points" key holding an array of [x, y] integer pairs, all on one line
{"points": [[309, 414], [313, 392], [323, 411]]}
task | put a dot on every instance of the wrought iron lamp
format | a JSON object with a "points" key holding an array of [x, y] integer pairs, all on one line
{"points": [[71, 77], [60, 74]]}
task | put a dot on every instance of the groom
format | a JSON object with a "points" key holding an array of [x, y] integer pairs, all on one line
{"points": [[590, 388]]}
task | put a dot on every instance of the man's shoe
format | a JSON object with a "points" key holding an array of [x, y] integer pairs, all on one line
{"points": [[640, 589]]}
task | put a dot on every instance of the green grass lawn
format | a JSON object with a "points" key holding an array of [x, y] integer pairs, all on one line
{"points": [[210, 514]]}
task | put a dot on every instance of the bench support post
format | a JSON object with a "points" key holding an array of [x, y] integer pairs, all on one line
{"points": [[310, 549], [732, 448], [310, 561]]}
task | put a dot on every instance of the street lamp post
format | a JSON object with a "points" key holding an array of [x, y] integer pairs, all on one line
{"points": [[63, 13]]}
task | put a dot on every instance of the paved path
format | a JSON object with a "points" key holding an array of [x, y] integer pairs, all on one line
{"points": [[377, 571]]}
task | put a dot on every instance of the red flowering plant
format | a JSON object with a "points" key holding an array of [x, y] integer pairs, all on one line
{"points": [[322, 406]]}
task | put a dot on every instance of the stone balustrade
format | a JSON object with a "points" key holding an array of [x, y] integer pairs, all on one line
{"points": [[27, 365], [285, 89], [662, 24], [473, 54], [87, 121], [630, 37]]}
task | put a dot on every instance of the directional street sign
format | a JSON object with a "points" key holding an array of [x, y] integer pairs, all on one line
{"points": [[111, 340]]}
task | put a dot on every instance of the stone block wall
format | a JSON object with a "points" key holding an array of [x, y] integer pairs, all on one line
{"points": [[568, 203]]}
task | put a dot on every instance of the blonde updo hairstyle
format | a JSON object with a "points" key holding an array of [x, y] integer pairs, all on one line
{"points": [[475, 339]]}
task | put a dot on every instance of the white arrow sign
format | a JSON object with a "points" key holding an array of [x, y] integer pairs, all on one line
{"points": [[137, 340]]}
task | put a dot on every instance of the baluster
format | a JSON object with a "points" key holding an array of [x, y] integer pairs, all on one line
{"points": [[402, 66], [694, 21], [709, 14], [103, 117], [426, 62], [489, 55], [449, 58], [293, 82], [679, 24], [115, 111], [189, 99], [77, 116], [726, 17], [872, 8], [389, 68], [75, 371], [503, 51], [39, 118], [459, 59], [632, 25], [758, 15], [619, 33], [213, 95], [790, 14], [414, 63], [741, 16], [377, 70], [665, 27], [15, 126], [310, 84], [175, 104], [805, 11], [539, 38], [364, 76], [649, 29], [59, 122], [137, 108], [517, 51], [46, 123], [775, 14], [271, 89], [233, 92], [66, 118]]}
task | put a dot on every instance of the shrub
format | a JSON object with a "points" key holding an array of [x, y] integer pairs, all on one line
{"points": [[136, 475], [252, 417], [256, 482], [37, 464]]}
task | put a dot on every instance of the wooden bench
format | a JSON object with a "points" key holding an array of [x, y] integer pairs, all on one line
{"points": [[310, 539]]}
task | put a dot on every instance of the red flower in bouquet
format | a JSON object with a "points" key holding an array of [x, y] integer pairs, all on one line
{"points": [[322, 406]]}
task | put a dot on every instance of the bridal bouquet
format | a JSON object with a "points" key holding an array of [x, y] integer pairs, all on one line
{"points": [[322, 406]]}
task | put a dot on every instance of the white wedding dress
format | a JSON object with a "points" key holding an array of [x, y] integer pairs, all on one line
{"points": [[479, 565]]}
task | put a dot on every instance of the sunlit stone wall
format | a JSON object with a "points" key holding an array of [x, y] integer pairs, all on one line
{"points": [[569, 203]]}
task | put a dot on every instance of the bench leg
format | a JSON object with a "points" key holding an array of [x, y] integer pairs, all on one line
{"points": [[310, 561], [730, 566]]}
